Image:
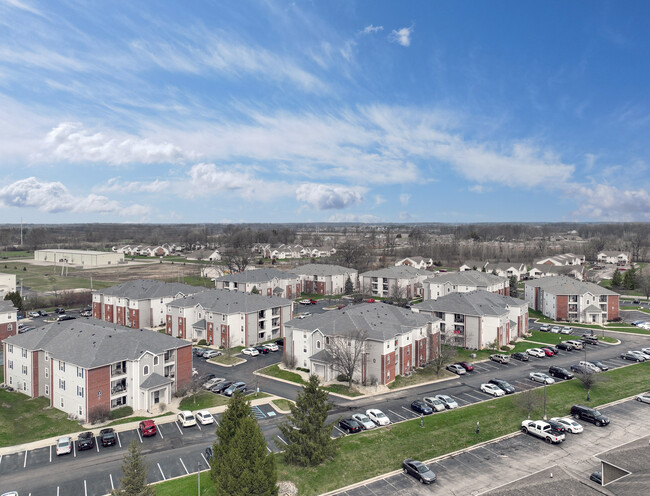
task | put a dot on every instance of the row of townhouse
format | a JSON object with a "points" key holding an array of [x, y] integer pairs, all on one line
{"points": [[562, 259], [8, 319], [228, 318], [284, 251], [85, 366], [158, 250], [477, 319], [613, 257], [578, 272], [395, 341], [139, 303], [416, 262], [326, 279], [564, 298], [463, 282], [501, 269], [567, 264]]}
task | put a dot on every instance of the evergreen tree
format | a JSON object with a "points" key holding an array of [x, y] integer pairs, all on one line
{"points": [[349, 287], [134, 481], [255, 290], [617, 279], [16, 299], [307, 434], [629, 280], [513, 286], [241, 464]]}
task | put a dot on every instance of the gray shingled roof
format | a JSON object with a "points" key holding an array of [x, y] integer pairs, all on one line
{"points": [[257, 276], [142, 289], [7, 306], [228, 302], [397, 272], [467, 278], [478, 302], [631, 457], [380, 320], [322, 270], [593, 309], [199, 324], [155, 380], [322, 356], [562, 285], [558, 269], [91, 343]]}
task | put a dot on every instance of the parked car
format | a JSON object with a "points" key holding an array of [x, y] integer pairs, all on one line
{"points": [[590, 365], [506, 386], [500, 358], [631, 356], [212, 382], [272, 347], [107, 436], [305, 302], [589, 414], [551, 347], [204, 417], [195, 373], [211, 354], [86, 313], [492, 389], [569, 424], [377, 416], [350, 425], [548, 352], [541, 377], [566, 330], [63, 317], [250, 352], [198, 351], [555, 329], [640, 354], [420, 406], [560, 372], [536, 352], [557, 427], [456, 369], [43, 313], [280, 342], [578, 345], [589, 339], [85, 440], [63, 446], [545, 328], [566, 346], [543, 430], [147, 428], [262, 350], [518, 355], [186, 418], [597, 477], [364, 421], [646, 351], [207, 377], [59, 310], [304, 315], [581, 369], [643, 397], [600, 365], [448, 401], [466, 365], [34, 314], [208, 454], [418, 470], [220, 387], [435, 404], [234, 387]]}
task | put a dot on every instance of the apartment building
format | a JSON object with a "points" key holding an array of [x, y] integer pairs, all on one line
{"points": [[613, 257], [562, 259], [463, 282], [7, 284], [8, 319], [543, 270], [325, 279], [228, 318], [403, 281], [140, 303], [270, 282], [84, 365], [501, 269]]}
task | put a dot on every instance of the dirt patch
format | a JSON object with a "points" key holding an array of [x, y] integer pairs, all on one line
{"points": [[160, 271]]}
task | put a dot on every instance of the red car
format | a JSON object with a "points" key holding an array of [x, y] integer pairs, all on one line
{"points": [[548, 352], [370, 300], [313, 302], [147, 428], [466, 365]]}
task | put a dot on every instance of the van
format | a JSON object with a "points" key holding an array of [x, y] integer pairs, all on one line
{"points": [[578, 345], [589, 414]]}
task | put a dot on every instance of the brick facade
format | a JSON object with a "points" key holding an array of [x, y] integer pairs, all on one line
{"points": [[183, 366], [612, 307], [98, 387], [8, 329], [34, 374], [562, 307]]}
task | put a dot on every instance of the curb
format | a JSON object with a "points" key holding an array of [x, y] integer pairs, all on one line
{"points": [[243, 360]]}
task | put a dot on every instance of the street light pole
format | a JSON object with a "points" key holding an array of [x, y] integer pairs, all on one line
{"points": [[199, 478]]}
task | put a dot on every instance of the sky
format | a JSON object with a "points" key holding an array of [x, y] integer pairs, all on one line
{"points": [[324, 111]]}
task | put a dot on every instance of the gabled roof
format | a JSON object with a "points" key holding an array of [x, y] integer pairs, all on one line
{"points": [[155, 380], [558, 269], [397, 272], [322, 270], [229, 302], [321, 356], [144, 289], [7, 306], [563, 285], [478, 302], [92, 343], [381, 321], [257, 276], [199, 324], [467, 278]]}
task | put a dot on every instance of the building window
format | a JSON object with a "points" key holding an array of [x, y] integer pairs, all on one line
{"points": [[388, 360], [25, 386], [61, 366], [24, 369], [24, 351], [10, 348], [80, 391], [80, 372], [47, 357], [47, 390], [61, 402], [47, 373], [155, 361], [11, 364], [145, 370], [11, 380], [61, 384], [81, 412], [318, 345]]}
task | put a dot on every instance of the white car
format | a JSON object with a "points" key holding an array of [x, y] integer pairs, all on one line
{"points": [[571, 425], [456, 369], [272, 347], [364, 421], [566, 330], [640, 354], [204, 417], [646, 351], [555, 329], [305, 302], [541, 377], [434, 403], [591, 366], [377, 416], [536, 352], [492, 389], [304, 315], [63, 446], [643, 398], [545, 328], [213, 382], [448, 401], [34, 314], [250, 351], [186, 418]]}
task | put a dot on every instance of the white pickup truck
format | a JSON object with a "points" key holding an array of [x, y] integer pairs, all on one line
{"points": [[542, 430]]}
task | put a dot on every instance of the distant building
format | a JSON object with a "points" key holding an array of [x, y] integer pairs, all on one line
{"points": [[79, 257], [544, 270], [82, 366], [564, 298], [501, 269], [402, 281], [613, 257], [325, 279], [7, 284], [416, 262], [8, 319], [270, 282], [463, 282], [563, 259], [139, 303]]}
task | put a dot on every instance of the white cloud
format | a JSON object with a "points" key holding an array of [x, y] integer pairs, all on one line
{"points": [[379, 200], [404, 198], [24, 6], [401, 36], [329, 196], [72, 142], [347, 51], [364, 218], [54, 197], [609, 203], [372, 29], [116, 184], [478, 188]]}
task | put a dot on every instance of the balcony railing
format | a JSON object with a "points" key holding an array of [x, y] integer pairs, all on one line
{"points": [[117, 371]]}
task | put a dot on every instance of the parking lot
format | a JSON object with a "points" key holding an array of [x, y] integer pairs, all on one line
{"points": [[475, 471]]}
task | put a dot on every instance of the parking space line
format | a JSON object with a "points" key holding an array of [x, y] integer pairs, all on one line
{"points": [[338, 429], [391, 411], [160, 430], [118, 439], [161, 472], [74, 448], [206, 461], [25, 461], [57, 490], [110, 476], [1, 458], [97, 443], [199, 426], [462, 401], [85, 488], [411, 412], [138, 431], [278, 436], [474, 397], [267, 447], [178, 427], [186, 471], [50, 453]]}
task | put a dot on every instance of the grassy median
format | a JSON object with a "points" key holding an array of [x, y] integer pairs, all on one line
{"points": [[372, 453]]}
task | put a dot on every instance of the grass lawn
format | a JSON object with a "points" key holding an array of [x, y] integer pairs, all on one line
{"points": [[550, 338], [282, 404], [275, 371], [342, 389], [638, 309], [203, 400], [138, 419], [522, 346], [383, 450], [187, 485], [464, 355], [536, 314], [631, 329], [419, 376], [227, 360], [48, 278]]}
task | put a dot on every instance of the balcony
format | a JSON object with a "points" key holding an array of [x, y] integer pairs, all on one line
{"points": [[118, 387], [169, 371], [169, 356], [459, 319], [275, 312], [118, 369]]}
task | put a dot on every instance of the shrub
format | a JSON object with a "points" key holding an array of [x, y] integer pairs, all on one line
{"points": [[202, 342], [98, 415], [342, 378], [181, 392], [617, 319], [121, 412], [302, 369]]}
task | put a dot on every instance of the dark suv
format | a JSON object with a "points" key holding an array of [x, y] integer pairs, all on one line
{"points": [[506, 386], [560, 372], [108, 436], [589, 414], [86, 440]]}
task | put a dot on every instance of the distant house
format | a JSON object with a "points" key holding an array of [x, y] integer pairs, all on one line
{"points": [[567, 299], [463, 282], [543, 270], [403, 281], [474, 265], [139, 303], [270, 282], [613, 257], [325, 279], [416, 262], [8, 319], [563, 259], [477, 319]]}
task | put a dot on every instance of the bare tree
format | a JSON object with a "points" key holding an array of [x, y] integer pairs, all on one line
{"points": [[346, 351], [638, 243], [237, 260], [528, 401], [397, 294], [351, 254], [446, 355], [588, 380]]}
